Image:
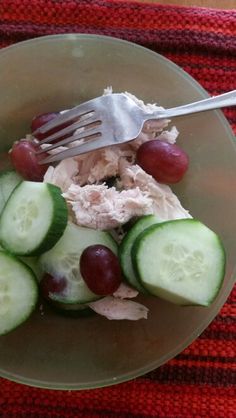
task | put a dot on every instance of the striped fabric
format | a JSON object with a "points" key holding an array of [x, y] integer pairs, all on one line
{"points": [[199, 382]]}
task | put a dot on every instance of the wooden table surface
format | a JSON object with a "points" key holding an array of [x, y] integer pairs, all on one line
{"points": [[220, 4]]}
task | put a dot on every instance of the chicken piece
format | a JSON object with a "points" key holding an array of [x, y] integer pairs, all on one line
{"points": [[88, 168], [100, 207], [99, 165], [115, 308], [125, 292], [55, 150], [169, 136], [96, 166], [63, 174], [147, 107], [165, 203], [93, 167]]}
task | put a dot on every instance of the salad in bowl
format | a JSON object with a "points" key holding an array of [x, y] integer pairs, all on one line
{"points": [[96, 230]]}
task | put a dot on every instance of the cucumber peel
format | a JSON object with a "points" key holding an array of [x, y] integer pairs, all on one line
{"points": [[33, 219], [18, 292], [181, 261], [63, 261], [125, 250]]}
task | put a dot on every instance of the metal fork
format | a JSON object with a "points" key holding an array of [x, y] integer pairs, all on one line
{"points": [[112, 119]]}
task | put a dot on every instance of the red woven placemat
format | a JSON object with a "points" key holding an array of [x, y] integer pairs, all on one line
{"points": [[199, 382]]}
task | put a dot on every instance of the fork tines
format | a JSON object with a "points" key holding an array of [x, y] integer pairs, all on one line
{"points": [[78, 124]]}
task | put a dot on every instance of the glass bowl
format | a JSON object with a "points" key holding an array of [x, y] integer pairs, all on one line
{"points": [[56, 72]]}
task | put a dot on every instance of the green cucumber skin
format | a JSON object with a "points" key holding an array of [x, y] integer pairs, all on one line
{"points": [[33, 264], [148, 219], [70, 243], [33, 279], [223, 271], [59, 218], [136, 246], [140, 241], [60, 300], [71, 310]]}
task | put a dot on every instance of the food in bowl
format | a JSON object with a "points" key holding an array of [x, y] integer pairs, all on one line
{"points": [[104, 226]]}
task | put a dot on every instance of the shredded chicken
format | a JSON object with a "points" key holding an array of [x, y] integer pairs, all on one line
{"points": [[89, 168], [115, 308], [94, 167], [55, 150], [147, 107], [165, 203], [125, 292], [102, 164], [63, 174], [169, 136], [100, 207]]}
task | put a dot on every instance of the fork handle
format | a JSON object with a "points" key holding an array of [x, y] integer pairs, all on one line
{"points": [[216, 102]]}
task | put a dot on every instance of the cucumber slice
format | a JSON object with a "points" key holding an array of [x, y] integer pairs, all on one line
{"points": [[8, 181], [33, 219], [63, 261], [18, 292], [33, 263], [74, 310], [126, 246], [182, 261]]}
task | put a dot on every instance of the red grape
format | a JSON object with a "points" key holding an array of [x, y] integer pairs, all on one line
{"points": [[167, 163], [25, 161], [40, 120], [51, 286], [100, 269]]}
